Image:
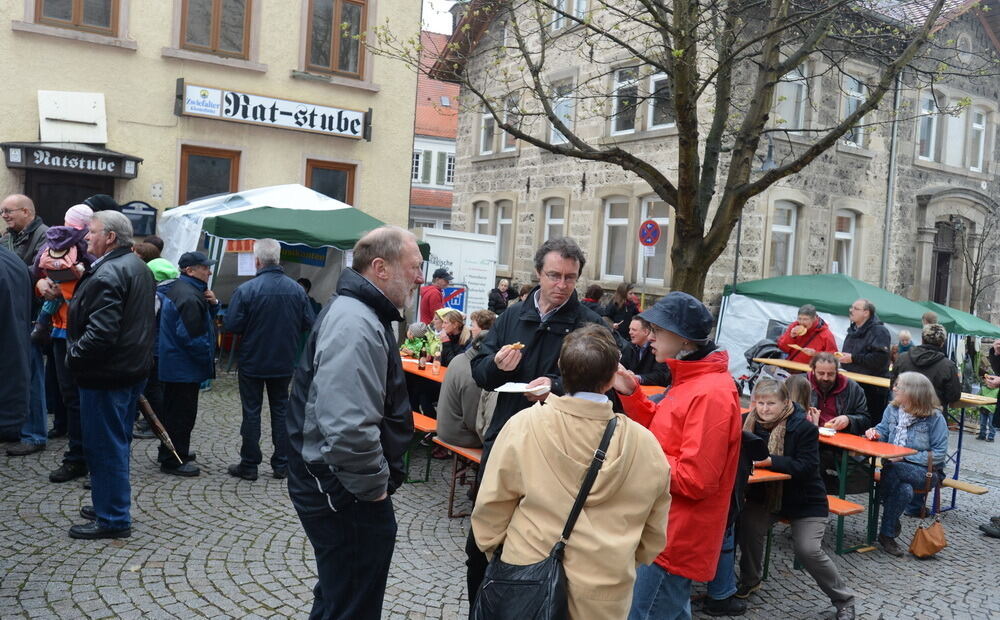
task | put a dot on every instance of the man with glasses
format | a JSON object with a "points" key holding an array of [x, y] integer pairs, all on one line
{"points": [[866, 351], [25, 234], [524, 346]]}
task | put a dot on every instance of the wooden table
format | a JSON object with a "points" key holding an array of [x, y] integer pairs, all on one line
{"points": [[846, 442], [652, 390], [766, 475], [410, 365]]}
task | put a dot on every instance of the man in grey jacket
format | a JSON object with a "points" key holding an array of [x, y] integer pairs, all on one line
{"points": [[349, 423]]}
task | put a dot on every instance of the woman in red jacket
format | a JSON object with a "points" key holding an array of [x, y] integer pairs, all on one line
{"points": [[698, 424], [809, 334]]}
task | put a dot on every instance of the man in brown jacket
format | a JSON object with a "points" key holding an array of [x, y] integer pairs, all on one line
{"points": [[536, 467]]}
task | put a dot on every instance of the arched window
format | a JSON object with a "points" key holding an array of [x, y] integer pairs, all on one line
{"points": [[615, 246], [783, 238], [845, 227]]}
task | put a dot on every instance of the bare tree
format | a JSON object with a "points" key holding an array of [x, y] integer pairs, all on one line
{"points": [[722, 61], [981, 255]]}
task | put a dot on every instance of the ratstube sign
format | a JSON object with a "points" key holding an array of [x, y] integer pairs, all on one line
{"points": [[230, 105]]}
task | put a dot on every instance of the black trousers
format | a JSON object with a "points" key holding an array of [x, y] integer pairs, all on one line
{"points": [[71, 401], [252, 398], [180, 411], [353, 544], [53, 397]]}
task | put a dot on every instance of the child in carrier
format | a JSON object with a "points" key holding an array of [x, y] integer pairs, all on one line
{"points": [[62, 258]]}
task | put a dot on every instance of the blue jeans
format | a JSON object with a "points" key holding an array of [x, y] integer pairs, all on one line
{"points": [[724, 584], [107, 417], [658, 595], [35, 429], [899, 481], [252, 397], [986, 428]]}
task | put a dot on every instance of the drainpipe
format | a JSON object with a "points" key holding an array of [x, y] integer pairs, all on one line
{"points": [[890, 189]]}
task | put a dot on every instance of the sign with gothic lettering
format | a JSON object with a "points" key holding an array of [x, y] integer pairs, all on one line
{"points": [[239, 107], [73, 158]]}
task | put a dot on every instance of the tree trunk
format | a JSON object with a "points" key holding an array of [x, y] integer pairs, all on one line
{"points": [[690, 266]]}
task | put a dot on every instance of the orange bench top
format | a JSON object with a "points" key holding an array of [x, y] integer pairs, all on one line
{"points": [[472, 454], [842, 507], [423, 423]]}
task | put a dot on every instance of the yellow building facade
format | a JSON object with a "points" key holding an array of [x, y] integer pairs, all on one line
{"points": [[167, 101]]}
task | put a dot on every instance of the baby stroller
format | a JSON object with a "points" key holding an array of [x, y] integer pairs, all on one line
{"points": [[766, 349]]}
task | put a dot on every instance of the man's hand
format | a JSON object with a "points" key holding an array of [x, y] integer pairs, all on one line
{"points": [[839, 423], [809, 351], [873, 434], [534, 398], [625, 381], [507, 358], [210, 297], [48, 290], [845, 358], [763, 464], [797, 331], [813, 415], [381, 497], [992, 381]]}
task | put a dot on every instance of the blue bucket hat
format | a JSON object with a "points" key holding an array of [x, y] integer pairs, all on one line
{"points": [[681, 314]]}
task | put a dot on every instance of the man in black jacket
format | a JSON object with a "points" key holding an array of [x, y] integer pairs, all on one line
{"points": [[523, 346], [928, 359], [25, 234], [866, 351], [110, 353], [349, 423], [15, 318], [639, 358], [272, 312]]}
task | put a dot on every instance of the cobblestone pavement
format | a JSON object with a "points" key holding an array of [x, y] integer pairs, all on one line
{"points": [[219, 547]]}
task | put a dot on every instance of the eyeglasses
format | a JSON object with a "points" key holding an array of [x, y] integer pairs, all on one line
{"points": [[555, 278], [9, 211]]}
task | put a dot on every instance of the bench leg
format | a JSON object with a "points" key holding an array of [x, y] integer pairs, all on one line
{"points": [[767, 553]]}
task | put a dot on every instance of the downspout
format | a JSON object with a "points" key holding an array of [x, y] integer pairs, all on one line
{"points": [[890, 189]]}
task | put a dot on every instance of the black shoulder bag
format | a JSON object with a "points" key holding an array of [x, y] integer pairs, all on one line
{"points": [[536, 591]]}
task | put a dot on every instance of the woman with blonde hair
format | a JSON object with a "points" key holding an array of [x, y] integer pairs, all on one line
{"points": [[455, 336], [913, 419]]}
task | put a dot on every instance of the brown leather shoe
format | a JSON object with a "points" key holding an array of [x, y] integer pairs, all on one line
{"points": [[24, 449], [890, 546]]}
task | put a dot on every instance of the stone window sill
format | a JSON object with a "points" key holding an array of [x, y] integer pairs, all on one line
{"points": [[857, 151], [232, 63], [940, 167], [75, 35], [494, 156], [336, 80]]}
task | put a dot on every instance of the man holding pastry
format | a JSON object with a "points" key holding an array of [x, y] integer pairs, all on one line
{"points": [[524, 346]]}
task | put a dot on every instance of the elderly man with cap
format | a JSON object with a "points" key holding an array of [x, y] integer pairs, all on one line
{"points": [[25, 234], [928, 358], [186, 354], [698, 424], [432, 297]]}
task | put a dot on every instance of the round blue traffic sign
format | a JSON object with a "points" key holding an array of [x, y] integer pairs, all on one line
{"points": [[649, 232]]}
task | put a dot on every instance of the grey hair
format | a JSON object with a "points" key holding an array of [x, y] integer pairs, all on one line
{"points": [[869, 306], [808, 310], [923, 399], [115, 222], [385, 242], [566, 247], [267, 251]]}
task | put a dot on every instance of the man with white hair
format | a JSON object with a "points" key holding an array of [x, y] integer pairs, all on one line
{"points": [[110, 353], [271, 312]]}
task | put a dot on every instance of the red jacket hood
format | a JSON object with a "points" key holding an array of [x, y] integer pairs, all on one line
{"points": [[686, 370]]}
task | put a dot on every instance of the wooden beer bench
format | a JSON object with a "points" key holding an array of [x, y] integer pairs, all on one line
{"points": [[421, 426], [470, 458]]}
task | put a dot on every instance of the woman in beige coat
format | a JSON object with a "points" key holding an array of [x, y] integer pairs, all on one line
{"points": [[536, 469]]}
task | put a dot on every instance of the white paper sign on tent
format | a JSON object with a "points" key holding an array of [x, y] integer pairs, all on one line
{"points": [[245, 265]]}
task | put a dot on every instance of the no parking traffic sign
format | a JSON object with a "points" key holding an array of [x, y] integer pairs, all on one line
{"points": [[649, 232]]}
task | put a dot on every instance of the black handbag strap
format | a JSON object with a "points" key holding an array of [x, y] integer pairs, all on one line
{"points": [[588, 480]]}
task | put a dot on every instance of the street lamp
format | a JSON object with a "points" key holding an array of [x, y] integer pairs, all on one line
{"points": [[766, 165]]}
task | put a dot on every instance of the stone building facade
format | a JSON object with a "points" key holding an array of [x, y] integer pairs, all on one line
{"points": [[831, 217]]}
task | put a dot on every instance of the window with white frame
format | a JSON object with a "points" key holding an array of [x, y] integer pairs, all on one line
{"points": [[562, 108], [481, 217], [791, 97], [615, 247], [626, 92], [783, 238], [505, 233], [978, 139], [555, 218], [509, 118], [845, 227], [415, 168], [449, 169], [854, 96], [579, 8], [927, 128], [954, 146], [558, 17], [487, 130], [653, 269], [660, 111]]}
